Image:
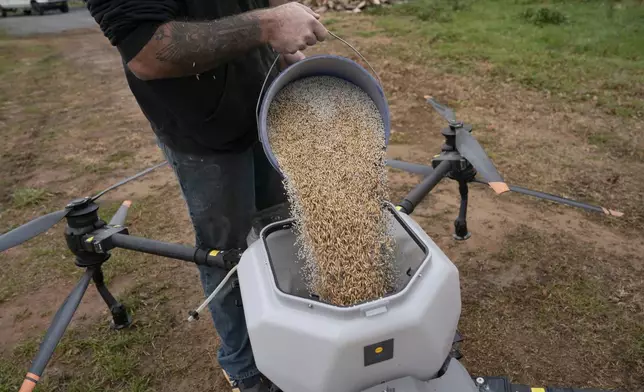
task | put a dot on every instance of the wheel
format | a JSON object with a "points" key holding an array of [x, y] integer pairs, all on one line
{"points": [[64, 8], [36, 8], [4, 13]]}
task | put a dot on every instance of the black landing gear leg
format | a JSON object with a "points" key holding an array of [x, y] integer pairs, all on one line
{"points": [[460, 224], [120, 318]]}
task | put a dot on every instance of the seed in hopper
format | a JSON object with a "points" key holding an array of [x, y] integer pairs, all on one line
{"points": [[328, 137]]}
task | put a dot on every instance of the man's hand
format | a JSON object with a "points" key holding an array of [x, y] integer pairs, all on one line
{"points": [[292, 27], [290, 59]]}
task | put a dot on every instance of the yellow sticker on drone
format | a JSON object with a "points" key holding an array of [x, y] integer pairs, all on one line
{"points": [[379, 350], [537, 390], [213, 253], [90, 239]]}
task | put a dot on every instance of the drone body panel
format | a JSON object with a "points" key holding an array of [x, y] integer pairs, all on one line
{"points": [[304, 345]]}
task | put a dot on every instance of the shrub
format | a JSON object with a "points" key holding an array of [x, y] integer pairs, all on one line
{"points": [[544, 16]]}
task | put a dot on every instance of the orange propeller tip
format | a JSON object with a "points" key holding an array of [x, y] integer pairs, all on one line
{"points": [[612, 212], [499, 187], [29, 384], [427, 97], [616, 213], [127, 203]]}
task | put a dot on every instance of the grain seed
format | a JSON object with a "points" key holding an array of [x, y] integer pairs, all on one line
{"points": [[328, 137]]}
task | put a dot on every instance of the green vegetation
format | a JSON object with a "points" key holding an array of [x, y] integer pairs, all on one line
{"points": [[111, 361], [541, 277], [77, 4], [582, 50], [25, 197], [539, 305], [122, 155], [544, 16]]}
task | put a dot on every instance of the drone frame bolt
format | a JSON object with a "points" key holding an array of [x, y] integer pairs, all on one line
{"points": [[480, 380], [78, 202], [194, 314]]}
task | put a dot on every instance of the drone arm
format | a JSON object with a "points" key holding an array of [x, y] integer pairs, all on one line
{"points": [[421, 190], [55, 332], [410, 167], [222, 259]]}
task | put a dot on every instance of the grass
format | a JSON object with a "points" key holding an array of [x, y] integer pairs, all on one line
{"points": [[330, 21], [77, 4], [91, 357], [539, 305], [544, 16], [115, 357], [24, 197], [123, 155], [39, 123], [6, 60], [398, 138], [570, 48], [109, 361], [560, 296], [599, 139], [94, 168]]}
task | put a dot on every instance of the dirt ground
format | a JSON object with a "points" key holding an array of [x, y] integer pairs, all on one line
{"points": [[551, 295]]}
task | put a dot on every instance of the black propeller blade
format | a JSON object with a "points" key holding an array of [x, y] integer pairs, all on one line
{"points": [[56, 330], [559, 199], [134, 177], [426, 170], [40, 225], [470, 149], [444, 111], [29, 230]]}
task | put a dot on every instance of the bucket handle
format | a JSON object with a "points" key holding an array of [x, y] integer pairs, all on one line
{"points": [[359, 55], [270, 70]]}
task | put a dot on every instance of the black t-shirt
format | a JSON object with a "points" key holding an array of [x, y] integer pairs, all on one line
{"points": [[214, 112]]}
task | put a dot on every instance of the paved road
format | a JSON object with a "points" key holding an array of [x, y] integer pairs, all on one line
{"points": [[53, 21]]}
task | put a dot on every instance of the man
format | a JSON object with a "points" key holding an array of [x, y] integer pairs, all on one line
{"points": [[196, 68]]}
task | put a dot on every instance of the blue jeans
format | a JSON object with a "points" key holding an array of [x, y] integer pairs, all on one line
{"points": [[223, 192]]}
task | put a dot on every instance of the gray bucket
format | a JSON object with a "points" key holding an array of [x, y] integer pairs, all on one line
{"points": [[322, 65]]}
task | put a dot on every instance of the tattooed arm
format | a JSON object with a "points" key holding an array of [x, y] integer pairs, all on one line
{"points": [[188, 48]]}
